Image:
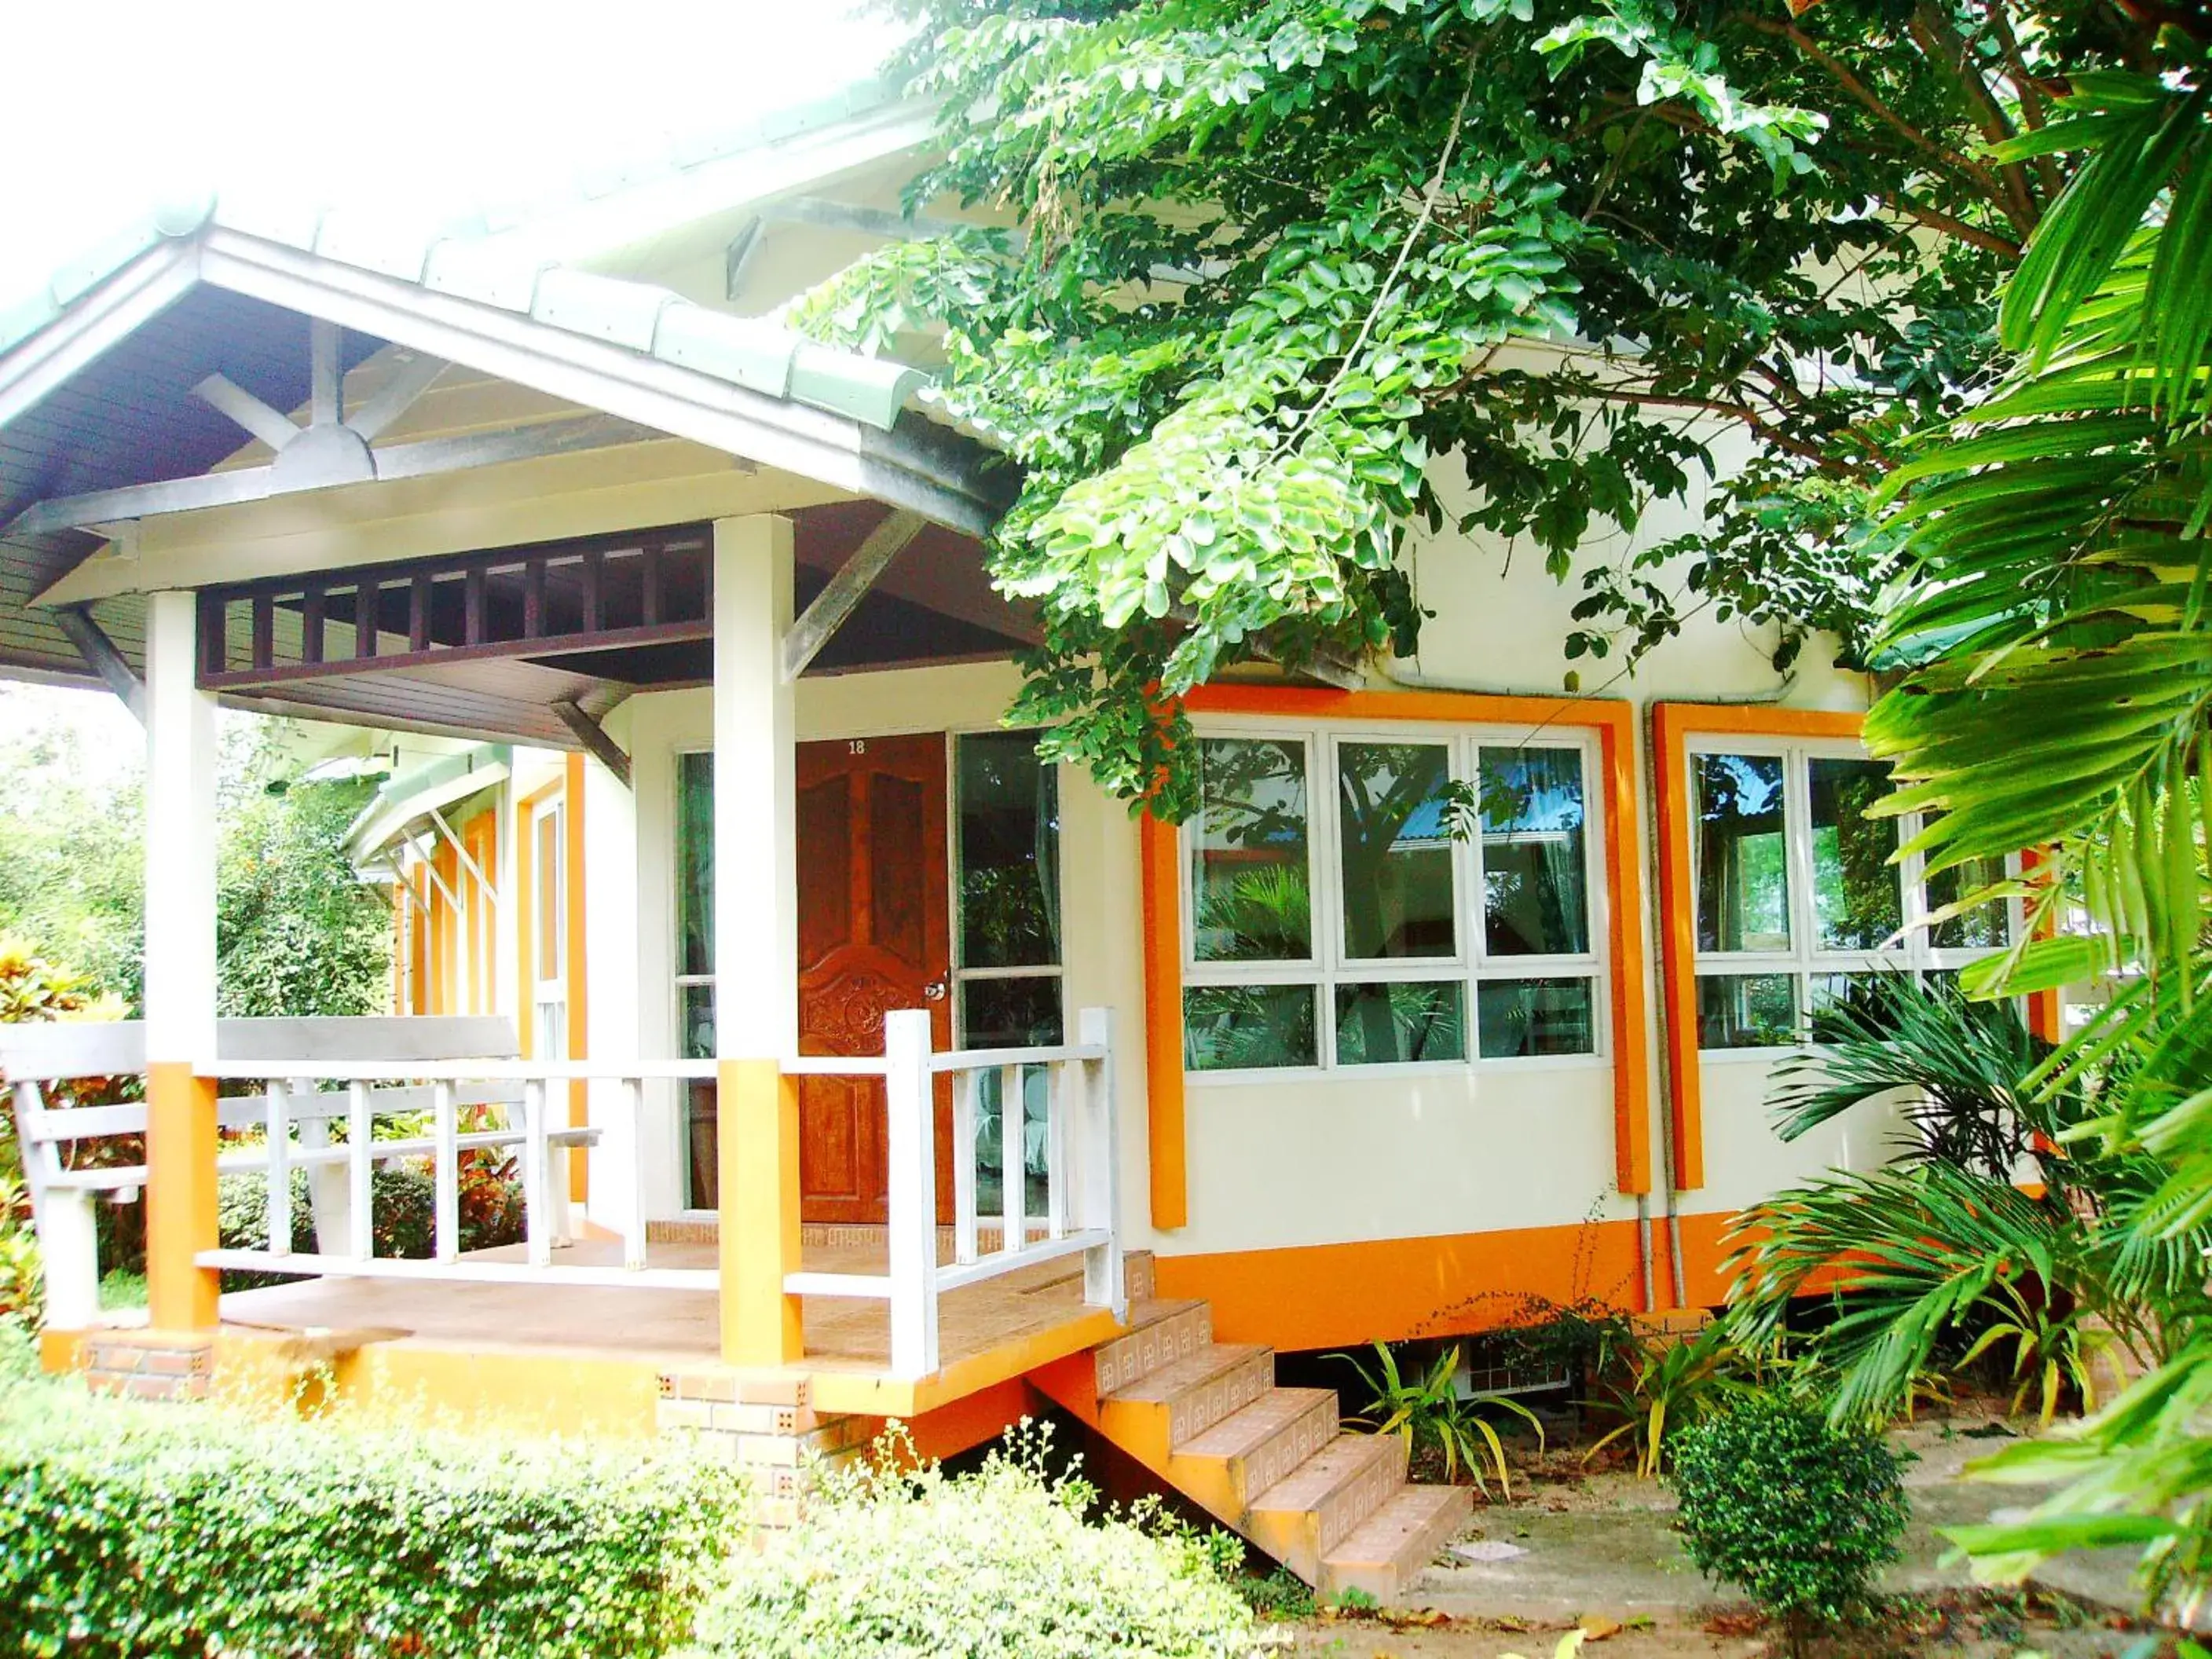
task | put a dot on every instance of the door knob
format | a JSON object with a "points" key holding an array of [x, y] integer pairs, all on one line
{"points": [[933, 992]]}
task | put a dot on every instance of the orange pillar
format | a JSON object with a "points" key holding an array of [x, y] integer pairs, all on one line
{"points": [[757, 1162], [180, 1197]]}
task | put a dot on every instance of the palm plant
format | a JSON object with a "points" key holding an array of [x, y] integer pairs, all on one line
{"points": [[1670, 1386], [2061, 573], [1427, 1409]]}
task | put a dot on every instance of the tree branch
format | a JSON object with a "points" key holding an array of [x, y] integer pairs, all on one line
{"points": [[1861, 93], [1765, 433], [2032, 112], [1959, 229], [1945, 48]]}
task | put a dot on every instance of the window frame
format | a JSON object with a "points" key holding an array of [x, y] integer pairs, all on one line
{"points": [[1327, 965], [1915, 953], [961, 974]]}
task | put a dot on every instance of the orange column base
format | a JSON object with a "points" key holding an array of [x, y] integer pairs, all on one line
{"points": [[757, 1162], [180, 1198]]}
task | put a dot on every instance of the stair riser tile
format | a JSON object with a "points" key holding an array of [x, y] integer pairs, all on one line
{"points": [[1128, 1358], [1389, 1582], [1349, 1504], [1266, 1464], [1196, 1410]]}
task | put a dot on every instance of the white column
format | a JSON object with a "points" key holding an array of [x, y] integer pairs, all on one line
{"points": [[181, 866], [756, 943], [755, 853], [180, 885]]}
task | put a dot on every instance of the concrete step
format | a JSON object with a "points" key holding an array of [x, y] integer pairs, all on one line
{"points": [[1390, 1549], [1241, 1457], [1160, 1332], [1166, 1408], [1322, 1502]]}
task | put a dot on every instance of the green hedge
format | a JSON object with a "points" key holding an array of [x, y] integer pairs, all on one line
{"points": [[161, 1530], [1001, 1564]]}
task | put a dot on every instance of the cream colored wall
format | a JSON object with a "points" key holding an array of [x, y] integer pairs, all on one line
{"points": [[1100, 902]]}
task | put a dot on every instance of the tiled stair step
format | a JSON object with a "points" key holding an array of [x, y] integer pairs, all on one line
{"points": [[1198, 1391], [1137, 1275], [1304, 1516], [1241, 1457], [1160, 1334], [1393, 1547]]}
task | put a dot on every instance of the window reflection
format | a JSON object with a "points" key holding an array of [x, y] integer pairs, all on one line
{"points": [[1743, 861], [1855, 897], [1249, 864], [1397, 850], [1535, 883]]}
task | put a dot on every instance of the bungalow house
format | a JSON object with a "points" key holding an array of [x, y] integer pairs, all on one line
{"points": [[859, 1065]]}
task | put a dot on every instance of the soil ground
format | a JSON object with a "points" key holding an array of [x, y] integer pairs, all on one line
{"points": [[1597, 1545]]}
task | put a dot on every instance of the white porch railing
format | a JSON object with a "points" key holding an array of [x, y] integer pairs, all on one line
{"points": [[372, 1070], [1082, 1199], [519, 1092]]}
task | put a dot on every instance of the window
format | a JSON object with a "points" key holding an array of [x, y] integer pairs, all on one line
{"points": [[1361, 900], [695, 969], [549, 875], [1797, 900], [1006, 973]]}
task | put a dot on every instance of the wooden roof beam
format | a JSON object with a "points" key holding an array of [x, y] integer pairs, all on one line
{"points": [[848, 585]]}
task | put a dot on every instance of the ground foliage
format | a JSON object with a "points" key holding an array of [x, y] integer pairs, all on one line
{"points": [[191, 1529], [1008, 1562], [1268, 260]]}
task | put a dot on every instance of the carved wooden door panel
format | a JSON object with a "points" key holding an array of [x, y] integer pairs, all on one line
{"points": [[872, 937]]}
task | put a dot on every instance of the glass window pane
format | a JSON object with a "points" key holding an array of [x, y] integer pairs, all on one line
{"points": [[694, 863], [547, 878], [1248, 870], [1535, 890], [1746, 1010], [1401, 1020], [1740, 858], [1232, 1028], [695, 1041], [1396, 849], [1517, 1017], [1010, 1013], [1984, 927], [1856, 992], [1855, 892], [1009, 807]]}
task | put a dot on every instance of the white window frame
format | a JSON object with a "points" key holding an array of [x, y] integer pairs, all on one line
{"points": [[963, 976], [554, 992], [1471, 966], [1914, 952]]}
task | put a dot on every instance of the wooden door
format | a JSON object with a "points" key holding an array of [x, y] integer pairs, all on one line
{"points": [[873, 937]]}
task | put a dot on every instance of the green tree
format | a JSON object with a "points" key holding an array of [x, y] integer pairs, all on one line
{"points": [[296, 933], [1272, 259]]}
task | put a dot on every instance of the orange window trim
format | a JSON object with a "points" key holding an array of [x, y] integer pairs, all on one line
{"points": [[1672, 723], [2044, 1018], [1615, 722]]}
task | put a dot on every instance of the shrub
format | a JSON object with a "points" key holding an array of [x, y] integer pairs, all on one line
{"points": [[1001, 1564], [163, 1531], [403, 1207], [1798, 1514]]}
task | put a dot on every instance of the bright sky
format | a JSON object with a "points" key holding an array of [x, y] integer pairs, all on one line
{"points": [[437, 105]]}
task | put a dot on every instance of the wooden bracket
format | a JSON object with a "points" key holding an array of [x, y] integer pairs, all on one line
{"points": [[594, 736], [101, 655], [846, 589]]}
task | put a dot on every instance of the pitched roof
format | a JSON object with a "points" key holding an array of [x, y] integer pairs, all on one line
{"points": [[462, 261]]}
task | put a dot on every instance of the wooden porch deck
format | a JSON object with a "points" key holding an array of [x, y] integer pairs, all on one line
{"points": [[989, 1333]]}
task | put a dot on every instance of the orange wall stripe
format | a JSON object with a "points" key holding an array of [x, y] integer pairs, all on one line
{"points": [[1161, 873], [1163, 1079], [1327, 1296], [580, 1036], [1671, 724]]}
